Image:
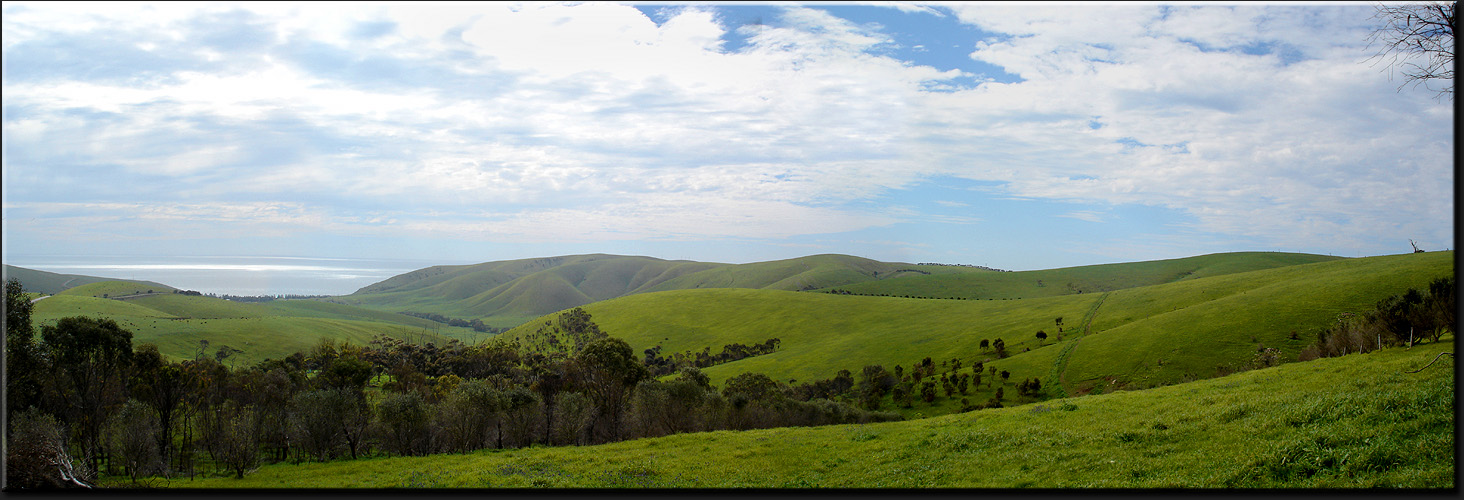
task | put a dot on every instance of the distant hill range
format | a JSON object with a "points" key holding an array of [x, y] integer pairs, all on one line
{"points": [[50, 283], [507, 293]]}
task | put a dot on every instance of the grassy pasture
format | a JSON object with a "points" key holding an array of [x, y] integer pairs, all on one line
{"points": [[176, 323], [817, 271], [822, 333], [1140, 337], [1167, 333], [111, 289], [508, 293], [49, 283], [1087, 279], [58, 306], [1357, 421]]}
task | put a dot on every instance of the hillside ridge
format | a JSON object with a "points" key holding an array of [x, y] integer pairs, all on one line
{"points": [[49, 283], [507, 293]]}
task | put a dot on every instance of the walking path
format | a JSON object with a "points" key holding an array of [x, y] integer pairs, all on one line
{"points": [[1059, 366]]}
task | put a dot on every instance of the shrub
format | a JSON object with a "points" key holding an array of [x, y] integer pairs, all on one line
{"points": [[35, 455], [1411, 316]]}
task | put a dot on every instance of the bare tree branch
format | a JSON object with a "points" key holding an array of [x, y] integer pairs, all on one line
{"points": [[1417, 41]]}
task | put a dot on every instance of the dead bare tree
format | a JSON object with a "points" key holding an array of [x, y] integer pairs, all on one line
{"points": [[1411, 32]]}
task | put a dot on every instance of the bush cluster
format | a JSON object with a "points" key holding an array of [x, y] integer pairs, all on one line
{"points": [[1411, 316]]}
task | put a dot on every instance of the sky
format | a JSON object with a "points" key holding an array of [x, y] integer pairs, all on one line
{"points": [[1014, 136]]}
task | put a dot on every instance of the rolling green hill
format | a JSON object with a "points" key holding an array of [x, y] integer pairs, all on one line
{"points": [[506, 293], [1137, 337], [509, 293], [1083, 279], [49, 283], [177, 323], [1358, 421], [805, 273]]}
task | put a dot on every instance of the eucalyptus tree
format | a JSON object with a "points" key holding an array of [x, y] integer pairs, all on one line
{"points": [[90, 361]]}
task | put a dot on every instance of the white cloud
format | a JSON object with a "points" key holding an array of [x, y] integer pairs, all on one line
{"points": [[1087, 215], [538, 121], [1247, 143]]}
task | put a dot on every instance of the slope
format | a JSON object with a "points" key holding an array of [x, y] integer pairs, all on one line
{"points": [[505, 293], [508, 293], [1358, 421], [1138, 337], [49, 283], [184, 326], [1083, 279], [804, 273]]}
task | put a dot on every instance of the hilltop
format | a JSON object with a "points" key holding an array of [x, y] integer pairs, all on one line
{"points": [[1082, 279], [507, 293], [49, 283]]}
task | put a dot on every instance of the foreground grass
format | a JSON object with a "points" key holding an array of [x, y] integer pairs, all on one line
{"points": [[1351, 422]]}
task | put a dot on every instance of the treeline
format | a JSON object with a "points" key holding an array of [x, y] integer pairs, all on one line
{"points": [[840, 291], [731, 352], [85, 403], [963, 265], [925, 381], [1400, 319], [248, 298], [267, 298], [476, 324]]}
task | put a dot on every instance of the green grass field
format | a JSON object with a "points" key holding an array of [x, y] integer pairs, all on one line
{"points": [[49, 283], [177, 323], [1140, 337], [1357, 421], [114, 289], [1085, 279], [508, 293]]}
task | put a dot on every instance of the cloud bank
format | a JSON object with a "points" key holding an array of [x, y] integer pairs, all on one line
{"points": [[595, 122]]}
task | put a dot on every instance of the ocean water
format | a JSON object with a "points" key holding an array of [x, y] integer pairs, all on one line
{"points": [[232, 275]]}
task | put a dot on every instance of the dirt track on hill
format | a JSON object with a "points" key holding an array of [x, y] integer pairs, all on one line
{"points": [[1062, 359]]}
